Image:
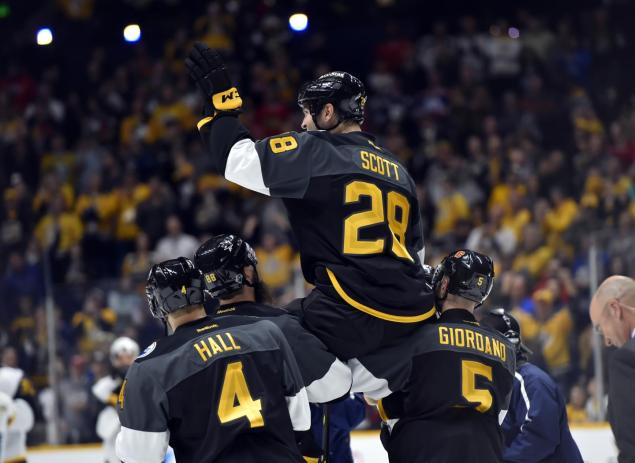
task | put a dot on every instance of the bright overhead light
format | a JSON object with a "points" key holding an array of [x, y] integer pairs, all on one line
{"points": [[44, 36], [132, 33], [298, 22]]}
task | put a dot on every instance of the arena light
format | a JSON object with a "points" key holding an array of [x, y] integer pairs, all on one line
{"points": [[5, 10], [513, 32], [132, 33], [298, 22], [44, 36]]}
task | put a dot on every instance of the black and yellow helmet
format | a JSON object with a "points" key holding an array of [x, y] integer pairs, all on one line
{"points": [[222, 260], [173, 285], [343, 90], [470, 273]]}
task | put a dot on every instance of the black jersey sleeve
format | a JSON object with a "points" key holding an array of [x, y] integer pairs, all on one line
{"points": [[143, 412], [275, 166]]}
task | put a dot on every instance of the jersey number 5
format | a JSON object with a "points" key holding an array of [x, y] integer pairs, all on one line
{"points": [[397, 223], [235, 398], [469, 371]]}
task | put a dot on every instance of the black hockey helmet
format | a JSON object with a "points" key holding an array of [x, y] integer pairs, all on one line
{"points": [[173, 285], [506, 324], [221, 260], [343, 90], [471, 274]]}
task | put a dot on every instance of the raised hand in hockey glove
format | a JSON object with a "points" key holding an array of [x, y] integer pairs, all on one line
{"points": [[207, 69]]}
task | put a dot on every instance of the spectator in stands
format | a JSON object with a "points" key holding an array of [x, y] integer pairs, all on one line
{"points": [[576, 408], [548, 330], [176, 243]]}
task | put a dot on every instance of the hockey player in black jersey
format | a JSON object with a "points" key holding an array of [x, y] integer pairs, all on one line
{"points": [[229, 270], [461, 376], [215, 390], [351, 204]]}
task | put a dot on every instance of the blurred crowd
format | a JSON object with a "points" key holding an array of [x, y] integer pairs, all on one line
{"points": [[520, 134]]}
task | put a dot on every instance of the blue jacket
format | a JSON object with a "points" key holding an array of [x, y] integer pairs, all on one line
{"points": [[536, 427], [345, 416]]}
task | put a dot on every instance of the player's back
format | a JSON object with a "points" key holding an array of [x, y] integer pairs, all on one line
{"points": [[326, 378], [461, 379], [354, 211], [222, 391]]}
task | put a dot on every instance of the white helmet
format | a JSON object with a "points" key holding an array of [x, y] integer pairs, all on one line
{"points": [[123, 345]]}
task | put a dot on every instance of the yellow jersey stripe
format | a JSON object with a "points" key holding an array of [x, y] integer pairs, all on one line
{"points": [[374, 312], [382, 413]]}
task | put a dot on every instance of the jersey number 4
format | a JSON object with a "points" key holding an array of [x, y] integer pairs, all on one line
{"points": [[469, 371], [397, 215], [235, 399]]}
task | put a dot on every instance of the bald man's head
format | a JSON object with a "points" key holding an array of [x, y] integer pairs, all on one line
{"points": [[612, 309]]}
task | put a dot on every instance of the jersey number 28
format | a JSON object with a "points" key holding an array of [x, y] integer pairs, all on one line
{"points": [[235, 399], [397, 223]]}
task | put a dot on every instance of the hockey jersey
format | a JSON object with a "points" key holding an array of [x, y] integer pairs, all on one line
{"points": [[351, 204], [460, 381], [325, 376], [215, 391]]}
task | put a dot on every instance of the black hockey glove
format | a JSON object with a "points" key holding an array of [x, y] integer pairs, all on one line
{"points": [[207, 69]]}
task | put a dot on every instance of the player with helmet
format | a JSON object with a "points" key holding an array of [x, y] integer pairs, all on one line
{"points": [[535, 428], [460, 375], [351, 204], [123, 352], [215, 390], [230, 273]]}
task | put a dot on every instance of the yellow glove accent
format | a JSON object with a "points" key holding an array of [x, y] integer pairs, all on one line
{"points": [[310, 459], [204, 121], [227, 100]]}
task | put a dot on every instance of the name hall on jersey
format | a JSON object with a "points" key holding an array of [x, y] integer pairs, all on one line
{"points": [[207, 348]]}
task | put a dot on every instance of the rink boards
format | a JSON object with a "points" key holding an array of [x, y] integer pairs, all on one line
{"points": [[595, 441]]}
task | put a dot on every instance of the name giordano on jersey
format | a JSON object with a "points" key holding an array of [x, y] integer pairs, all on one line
{"points": [[466, 338]]}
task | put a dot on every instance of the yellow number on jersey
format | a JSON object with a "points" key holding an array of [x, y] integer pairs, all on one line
{"points": [[352, 243], [469, 371], [398, 226], [282, 144], [235, 398]]}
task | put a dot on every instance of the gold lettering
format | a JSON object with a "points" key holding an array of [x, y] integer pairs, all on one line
{"points": [[203, 350], [222, 343], [207, 327], [497, 347], [373, 162], [451, 336], [380, 165], [215, 347], [503, 352], [479, 341], [469, 339], [396, 170], [460, 341], [364, 156], [231, 339], [443, 335], [488, 347]]}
